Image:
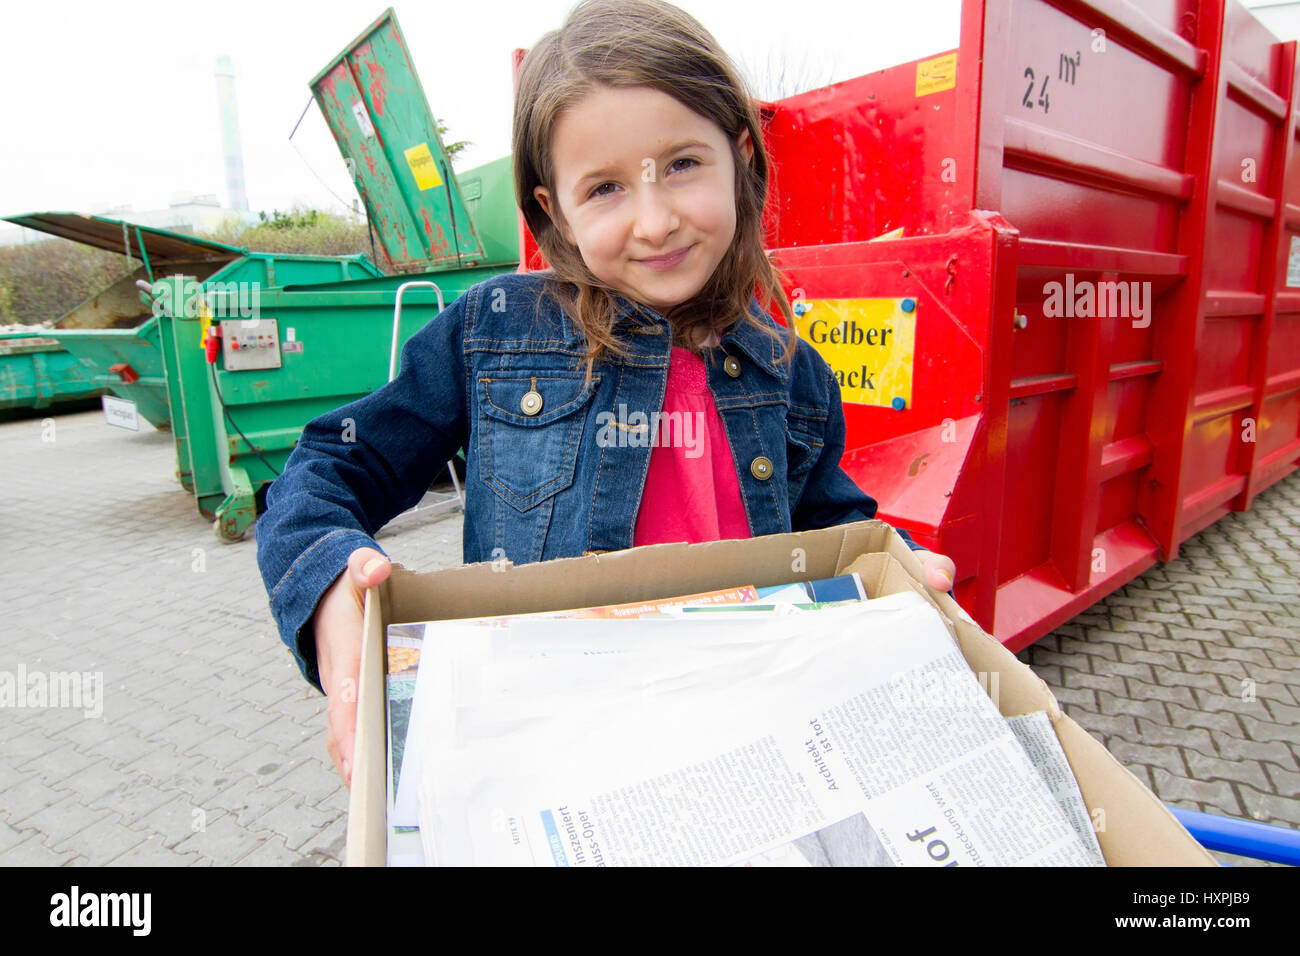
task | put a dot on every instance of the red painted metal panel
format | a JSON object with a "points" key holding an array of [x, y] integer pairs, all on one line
{"points": [[868, 156], [1275, 355], [530, 256], [1100, 138]]}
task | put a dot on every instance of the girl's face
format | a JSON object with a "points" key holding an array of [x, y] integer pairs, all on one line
{"points": [[646, 189]]}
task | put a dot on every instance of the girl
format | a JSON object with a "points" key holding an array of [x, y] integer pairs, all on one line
{"points": [[642, 174]]}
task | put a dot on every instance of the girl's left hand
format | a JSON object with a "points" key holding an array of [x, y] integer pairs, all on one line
{"points": [[938, 570]]}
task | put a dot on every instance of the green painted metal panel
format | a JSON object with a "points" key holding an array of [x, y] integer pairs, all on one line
{"points": [[36, 372], [375, 107], [181, 341], [489, 192], [97, 351], [344, 333]]}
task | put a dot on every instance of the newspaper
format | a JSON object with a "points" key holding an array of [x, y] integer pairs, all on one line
{"points": [[848, 735], [1036, 735]]}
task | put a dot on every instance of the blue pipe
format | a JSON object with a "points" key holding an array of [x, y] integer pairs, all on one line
{"points": [[1259, 841]]}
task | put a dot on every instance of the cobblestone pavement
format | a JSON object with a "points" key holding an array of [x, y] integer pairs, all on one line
{"points": [[1190, 673], [210, 749], [211, 746]]}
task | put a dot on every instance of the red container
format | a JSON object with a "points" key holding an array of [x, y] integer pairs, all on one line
{"points": [[1062, 439], [1096, 351]]}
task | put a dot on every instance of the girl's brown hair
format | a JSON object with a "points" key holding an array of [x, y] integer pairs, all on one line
{"points": [[647, 43]]}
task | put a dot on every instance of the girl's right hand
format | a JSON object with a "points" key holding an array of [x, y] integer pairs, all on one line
{"points": [[337, 625]]}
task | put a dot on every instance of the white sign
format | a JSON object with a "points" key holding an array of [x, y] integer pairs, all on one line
{"points": [[1293, 264], [363, 119], [121, 413]]}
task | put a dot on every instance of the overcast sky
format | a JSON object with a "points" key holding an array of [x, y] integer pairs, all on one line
{"points": [[115, 103]]}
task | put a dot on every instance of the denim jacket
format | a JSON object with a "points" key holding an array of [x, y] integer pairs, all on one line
{"points": [[500, 373]]}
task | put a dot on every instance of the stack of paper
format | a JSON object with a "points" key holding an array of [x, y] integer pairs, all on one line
{"points": [[794, 727]]}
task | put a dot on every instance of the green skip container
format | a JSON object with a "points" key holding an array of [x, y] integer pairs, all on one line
{"points": [[115, 335], [321, 345]]}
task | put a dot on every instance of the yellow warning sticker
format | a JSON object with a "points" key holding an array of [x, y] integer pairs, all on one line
{"points": [[935, 74], [205, 320], [868, 343], [423, 168]]}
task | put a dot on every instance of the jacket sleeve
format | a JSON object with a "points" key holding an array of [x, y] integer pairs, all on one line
{"points": [[357, 467], [830, 496]]}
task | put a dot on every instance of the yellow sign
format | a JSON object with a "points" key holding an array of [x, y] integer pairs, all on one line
{"points": [[868, 343], [423, 168], [935, 74], [205, 320]]}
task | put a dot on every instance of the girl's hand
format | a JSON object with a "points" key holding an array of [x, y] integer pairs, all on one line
{"points": [[337, 624], [937, 570]]}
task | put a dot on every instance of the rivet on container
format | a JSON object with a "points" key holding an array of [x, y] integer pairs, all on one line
{"points": [[761, 468], [899, 403], [531, 403], [909, 305], [731, 366]]}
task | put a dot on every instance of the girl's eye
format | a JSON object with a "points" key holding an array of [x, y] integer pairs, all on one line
{"points": [[601, 190]]}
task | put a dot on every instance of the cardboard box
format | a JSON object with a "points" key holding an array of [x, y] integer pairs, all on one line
{"points": [[1135, 829]]}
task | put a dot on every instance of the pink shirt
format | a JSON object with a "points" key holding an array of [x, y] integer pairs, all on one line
{"points": [[691, 490]]}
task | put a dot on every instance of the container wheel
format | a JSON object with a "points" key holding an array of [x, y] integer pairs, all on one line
{"points": [[226, 534]]}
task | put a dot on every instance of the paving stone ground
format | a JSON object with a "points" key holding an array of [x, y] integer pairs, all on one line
{"points": [[1190, 674], [210, 747]]}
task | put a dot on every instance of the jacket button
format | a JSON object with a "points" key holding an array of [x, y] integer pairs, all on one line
{"points": [[731, 366], [531, 403], [761, 468]]}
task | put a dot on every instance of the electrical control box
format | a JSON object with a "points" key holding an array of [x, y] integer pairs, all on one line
{"points": [[248, 344]]}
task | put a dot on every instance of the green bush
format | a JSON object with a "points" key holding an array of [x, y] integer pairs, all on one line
{"points": [[298, 230], [43, 281]]}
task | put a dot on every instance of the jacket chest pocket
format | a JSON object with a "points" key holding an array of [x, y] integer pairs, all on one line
{"points": [[802, 451], [803, 447], [530, 425]]}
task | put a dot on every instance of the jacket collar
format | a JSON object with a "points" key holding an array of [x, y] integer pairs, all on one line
{"points": [[762, 349]]}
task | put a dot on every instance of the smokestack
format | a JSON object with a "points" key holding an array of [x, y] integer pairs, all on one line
{"points": [[234, 153]]}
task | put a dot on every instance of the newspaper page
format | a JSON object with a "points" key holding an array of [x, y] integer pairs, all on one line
{"points": [[1043, 747], [771, 739]]}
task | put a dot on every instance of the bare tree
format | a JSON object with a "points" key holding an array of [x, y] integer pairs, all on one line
{"points": [[779, 75]]}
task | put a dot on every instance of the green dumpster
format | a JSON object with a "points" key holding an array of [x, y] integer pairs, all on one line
{"points": [[36, 372], [115, 333], [316, 347], [313, 349]]}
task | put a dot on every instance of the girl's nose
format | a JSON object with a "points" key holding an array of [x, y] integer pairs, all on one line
{"points": [[655, 217]]}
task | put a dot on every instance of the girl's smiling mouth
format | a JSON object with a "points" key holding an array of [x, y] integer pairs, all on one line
{"points": [[670, 261]]}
